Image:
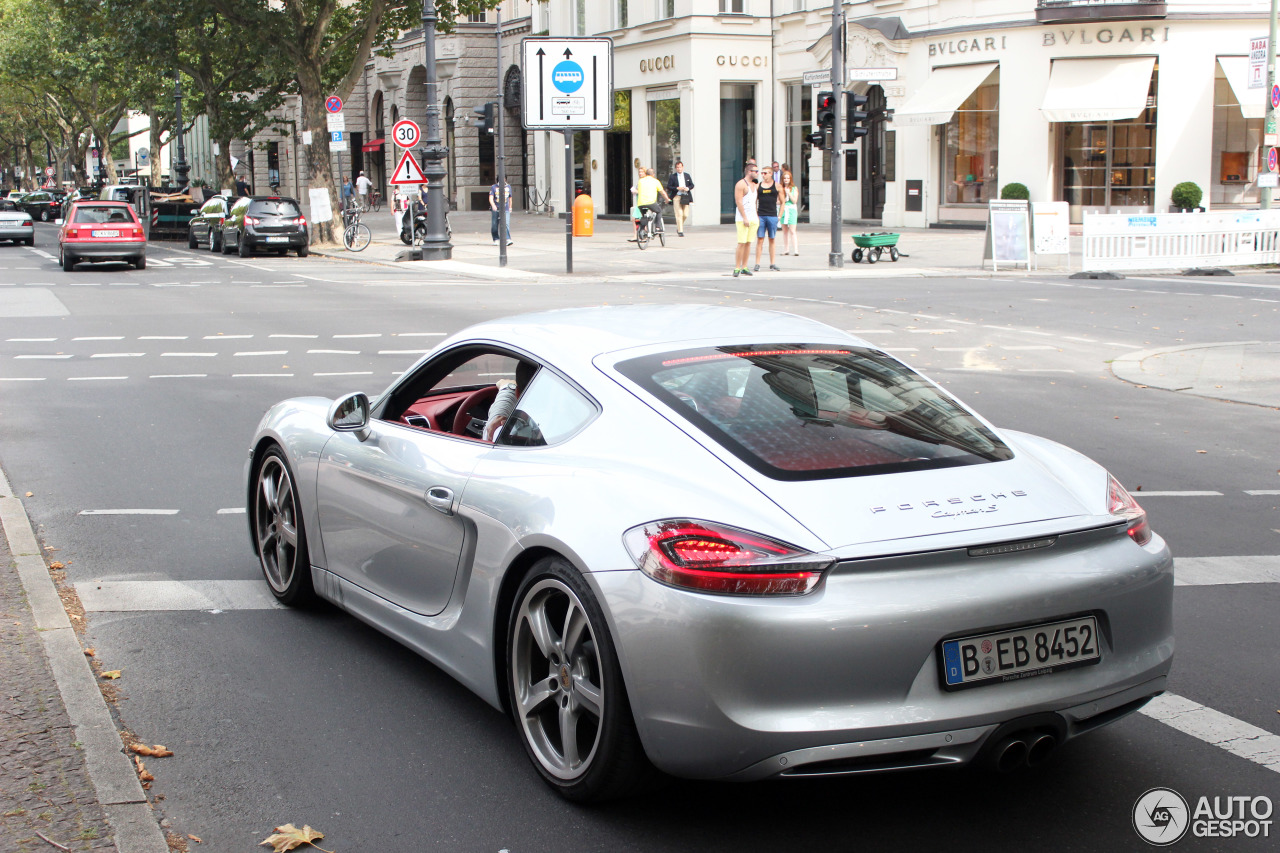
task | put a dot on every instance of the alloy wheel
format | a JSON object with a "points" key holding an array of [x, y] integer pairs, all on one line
{"points": [[275, 523], [558, 679]]}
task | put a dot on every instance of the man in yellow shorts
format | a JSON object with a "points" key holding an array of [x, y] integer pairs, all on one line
{"points": [[745, 217]]}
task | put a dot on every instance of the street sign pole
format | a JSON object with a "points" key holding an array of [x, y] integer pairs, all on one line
{"points": [[436, 245], [1271, 83], [504, 233], [568, 200], [835, 259]]}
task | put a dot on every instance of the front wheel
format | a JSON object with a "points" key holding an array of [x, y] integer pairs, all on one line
{"points": [[419, 234], [356, 237], [857, 256], [893, 253], [44, 216], [662, 237], [192, 242], [278, 531], [873, 255], [567, 695], [375, 203]]}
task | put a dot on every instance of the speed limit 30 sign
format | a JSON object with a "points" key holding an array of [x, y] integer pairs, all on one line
{"points": [[405, 133]]}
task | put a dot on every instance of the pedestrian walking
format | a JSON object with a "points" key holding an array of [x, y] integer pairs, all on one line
{"points": [[348, 192], [495, 213], [767, 204], [745, 217], [363, 185], [242, 186], [790, 220], [680, 188]]}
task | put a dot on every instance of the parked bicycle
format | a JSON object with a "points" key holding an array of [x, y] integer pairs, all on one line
{"points": [[355, 234], [649, 226], [375, 200]]}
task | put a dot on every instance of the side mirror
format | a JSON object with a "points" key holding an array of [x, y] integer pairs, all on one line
{"points": [[193, 211], [349, 414]]}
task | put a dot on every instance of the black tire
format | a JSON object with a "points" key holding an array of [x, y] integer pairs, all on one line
{"points": [[30, 241], [303, 251], [192, 242], [406, 237], [544, 687], [419, 234], [222, 245], [44, 215], [662, 238], [213, 241], [893, 253], [140, 263], [277, 519], [68, 261], [857, 256], [243, 247], [873, 255]]}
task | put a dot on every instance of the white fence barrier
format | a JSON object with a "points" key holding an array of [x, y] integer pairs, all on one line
{"points": [[1120, 241]]}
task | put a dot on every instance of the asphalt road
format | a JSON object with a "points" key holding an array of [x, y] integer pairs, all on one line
{"points": [[128, 390]]}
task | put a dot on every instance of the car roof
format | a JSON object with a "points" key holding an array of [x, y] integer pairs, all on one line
{"points": [[578, 335]]}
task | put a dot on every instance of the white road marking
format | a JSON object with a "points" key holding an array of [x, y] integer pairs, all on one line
{"points": [[1226, 296], [403, 351], [226, 337], [1262, 491], [134, 596], [257, 375], [1212, 571], [128, 512], [418, 334], [61, 355], [118, 355], [930, 331], [162, 337], [92, 378], [293, 336], [954, 349], [1040, 334], [347, 373], [178, 376], [29, 340], [1214, 727], [1081, 340], [265, 352], [364, 335], [275, 286], [85, 283], [1143, 494], [333, 352], [254, 266], [101, 338], [188, 354], [232, 510]]}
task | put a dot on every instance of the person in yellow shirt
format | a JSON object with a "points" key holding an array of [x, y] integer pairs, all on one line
{"points": [[647, 190]]}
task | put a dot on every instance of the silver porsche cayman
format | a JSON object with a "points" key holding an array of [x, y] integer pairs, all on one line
{"points": [[721, 543]]}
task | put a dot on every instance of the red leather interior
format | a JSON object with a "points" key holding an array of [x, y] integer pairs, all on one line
{"points": [[438, 409]]}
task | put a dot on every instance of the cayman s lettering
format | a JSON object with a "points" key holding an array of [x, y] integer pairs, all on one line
{"points": [[950, 507]]}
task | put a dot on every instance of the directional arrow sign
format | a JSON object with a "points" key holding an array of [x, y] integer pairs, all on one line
{"points": [[408, 171], [568, 83]]}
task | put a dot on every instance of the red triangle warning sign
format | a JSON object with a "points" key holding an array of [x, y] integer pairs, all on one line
{"points": [[408, 171]]}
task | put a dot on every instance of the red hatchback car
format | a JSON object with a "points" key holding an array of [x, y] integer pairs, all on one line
{"points": [[101, 231]]}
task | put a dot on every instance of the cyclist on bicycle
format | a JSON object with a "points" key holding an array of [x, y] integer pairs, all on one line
{"points": [[647, 190]]}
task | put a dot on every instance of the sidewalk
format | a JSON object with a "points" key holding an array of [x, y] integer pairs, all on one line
{"points": [[539, 251], [1239, 371]]}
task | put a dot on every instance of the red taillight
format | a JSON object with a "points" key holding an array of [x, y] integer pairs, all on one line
{"points": [[73, 232], [26, 222], [301, 220], [252, 220], [1120, 502], [709, 557]]}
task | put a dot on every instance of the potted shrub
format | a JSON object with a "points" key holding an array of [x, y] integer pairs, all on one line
{"points": [[1186, 197], [1015, 191]]}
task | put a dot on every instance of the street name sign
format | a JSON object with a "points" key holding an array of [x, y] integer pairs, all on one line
{"points": [[408, 171], [406, 133], [856, 74], [568, 83]]}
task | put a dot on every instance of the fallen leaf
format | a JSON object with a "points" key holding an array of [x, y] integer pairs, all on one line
{"points": [[29, 494], [56, 565], [90, 652], [288, 837], [143, 773], [111, 674], [1202, 451], [157, 751], [195, 838]]}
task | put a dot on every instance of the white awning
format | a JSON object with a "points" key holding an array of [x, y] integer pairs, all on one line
{"points": [[1112, 89], [945, 90], [1253, 102]]}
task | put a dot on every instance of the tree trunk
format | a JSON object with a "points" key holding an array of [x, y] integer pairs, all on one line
{"points": [[153, 144], [319, 174]]}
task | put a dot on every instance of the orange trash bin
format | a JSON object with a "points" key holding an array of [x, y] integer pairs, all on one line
{"points": [[583, 216]]}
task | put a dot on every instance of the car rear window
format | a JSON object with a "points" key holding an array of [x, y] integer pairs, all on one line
{"points": [[275, 207], [804, 411], [96, 214]]}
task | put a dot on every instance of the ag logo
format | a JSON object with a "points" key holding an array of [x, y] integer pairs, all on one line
{"points": [[1160, 816]]}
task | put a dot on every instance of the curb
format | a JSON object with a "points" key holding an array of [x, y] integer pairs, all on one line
{"points": [[1128, 367], [111, 773]]}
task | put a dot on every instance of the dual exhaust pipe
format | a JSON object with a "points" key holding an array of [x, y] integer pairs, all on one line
{"points": [[1023, 749]]}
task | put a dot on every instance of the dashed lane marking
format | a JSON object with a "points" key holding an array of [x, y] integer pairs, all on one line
{"points": [[1214, 571], [347, 373], [232, 510], [1202, 494], [1262, 491], [128, 512], [93, 378], [135, 596], [1214, 727]]}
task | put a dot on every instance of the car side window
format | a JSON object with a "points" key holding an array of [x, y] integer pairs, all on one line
{"points": [[240, 207], [550, 411]]}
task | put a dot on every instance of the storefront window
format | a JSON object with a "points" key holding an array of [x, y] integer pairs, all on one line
{"points": [[737, 138], [799, 121], [971, 145], [1110, 166], [664, 125], [1237, 149]]}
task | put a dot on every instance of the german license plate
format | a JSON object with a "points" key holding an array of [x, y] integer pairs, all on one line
{"points": [[277, 239], [106, 233], [1020, 653]]}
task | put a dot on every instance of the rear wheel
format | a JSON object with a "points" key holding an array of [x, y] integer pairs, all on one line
{"points": [[893, 253], [303, 251], [192, 242], [140, 263], [857, 256], [873, 255], [223, 247], [662, 237], [68, 262], [278, 531], [419, 234], [567, 695], [44, 215], [242, 246]]}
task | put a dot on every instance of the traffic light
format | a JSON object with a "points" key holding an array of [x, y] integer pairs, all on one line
{"points": [[485, 116], [855, 117], [822, 137]]}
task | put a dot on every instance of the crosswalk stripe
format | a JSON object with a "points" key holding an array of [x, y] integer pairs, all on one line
{"points": [[1214, 727], [1211, 571]]}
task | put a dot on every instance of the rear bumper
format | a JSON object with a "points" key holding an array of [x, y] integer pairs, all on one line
{"points": [[270, 241], [728, 686], [16, 232], [105, 251]]}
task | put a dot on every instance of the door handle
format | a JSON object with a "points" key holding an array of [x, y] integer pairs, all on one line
{"points": [[441, 499]]}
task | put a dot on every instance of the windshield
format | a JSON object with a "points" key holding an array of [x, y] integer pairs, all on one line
{"points": [[800, 411], [96, 214], [275, 207]]}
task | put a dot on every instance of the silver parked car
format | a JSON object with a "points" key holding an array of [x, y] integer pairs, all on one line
{"points": [[720, 542], [16, 225]]}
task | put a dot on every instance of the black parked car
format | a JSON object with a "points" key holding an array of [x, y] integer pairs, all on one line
{"points": [[205, 228], [265, 222]]}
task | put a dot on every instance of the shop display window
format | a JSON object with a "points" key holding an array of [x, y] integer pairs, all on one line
{"points": [[971, 145], [1238, 151]]}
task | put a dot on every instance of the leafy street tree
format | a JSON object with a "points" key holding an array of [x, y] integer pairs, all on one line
{"points": [[326, 43]]}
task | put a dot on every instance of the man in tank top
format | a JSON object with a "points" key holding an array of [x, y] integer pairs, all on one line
{"points": [[745, 217]]}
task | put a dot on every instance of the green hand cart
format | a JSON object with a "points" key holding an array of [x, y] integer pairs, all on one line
{"points": [[871, 246]]}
